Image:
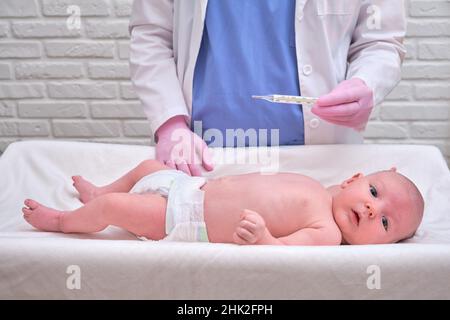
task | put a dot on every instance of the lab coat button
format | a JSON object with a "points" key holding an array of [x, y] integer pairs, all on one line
{"points": [[307, 69], [314, 123]]}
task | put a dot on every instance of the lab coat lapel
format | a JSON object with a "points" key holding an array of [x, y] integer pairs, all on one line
{"points": [[193, 48], [198, 25], [203, 4], [300, 5]]}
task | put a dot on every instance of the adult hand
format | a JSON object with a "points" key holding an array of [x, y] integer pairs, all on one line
{"points": [[349, 104], [179, 148]]}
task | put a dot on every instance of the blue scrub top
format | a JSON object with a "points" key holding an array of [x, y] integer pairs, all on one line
{"points": [[247, 48]]}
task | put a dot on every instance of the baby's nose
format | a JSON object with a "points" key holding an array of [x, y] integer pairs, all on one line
{"points": [[370, 210]]}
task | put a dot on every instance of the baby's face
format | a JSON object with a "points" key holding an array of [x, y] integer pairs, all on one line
{"points": [[379, 208]]}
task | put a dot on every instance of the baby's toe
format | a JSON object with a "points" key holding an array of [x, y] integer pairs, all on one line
{"points": [[77, 179], [31, 204], [27, 213]]}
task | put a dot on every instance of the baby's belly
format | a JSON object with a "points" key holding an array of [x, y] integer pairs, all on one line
{"points": [[225, 203], [221, 215]]}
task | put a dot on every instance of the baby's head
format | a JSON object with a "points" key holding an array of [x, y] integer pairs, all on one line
{"points": [[383, 207]]}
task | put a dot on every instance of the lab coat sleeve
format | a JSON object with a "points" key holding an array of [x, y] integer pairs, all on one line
{"points": [[152, 63], [376, 51]]}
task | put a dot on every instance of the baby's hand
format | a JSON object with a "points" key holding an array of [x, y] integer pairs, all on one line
{"points": [[250, 229]]}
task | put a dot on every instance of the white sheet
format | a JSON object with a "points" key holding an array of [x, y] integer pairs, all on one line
{"points": [[114, 264]]}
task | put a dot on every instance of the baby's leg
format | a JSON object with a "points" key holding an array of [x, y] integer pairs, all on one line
{"points": [[143, 215], [88, 191]]}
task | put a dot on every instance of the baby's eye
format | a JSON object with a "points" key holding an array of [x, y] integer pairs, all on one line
{"points": [[385, 222], [373, 191]]}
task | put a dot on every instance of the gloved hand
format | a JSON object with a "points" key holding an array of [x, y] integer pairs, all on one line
{"points": [[179, 148], [349, 104]]}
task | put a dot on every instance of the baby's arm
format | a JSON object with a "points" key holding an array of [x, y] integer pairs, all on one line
{"points": [[307, 237], [252, 230]]}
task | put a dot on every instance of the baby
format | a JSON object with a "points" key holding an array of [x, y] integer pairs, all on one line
{"points": [[155, 202]]}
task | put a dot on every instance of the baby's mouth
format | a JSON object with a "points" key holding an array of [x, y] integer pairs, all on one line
{"points": [[355, 217]]}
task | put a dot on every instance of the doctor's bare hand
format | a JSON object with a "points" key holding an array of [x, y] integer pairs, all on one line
{"points": [[179, 148], [349, 104]]}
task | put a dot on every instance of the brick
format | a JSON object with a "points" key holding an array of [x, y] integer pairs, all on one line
{"points": [[107, 30], [52, 109], [124, 50], [434, 51], [127, 141], [17, 50], [136, 129], [20, 90], [109, 70], [43, 30], [430, 130], [386, 130], [8, 129], [5, 72], [82, 90], [4, 30], [79, 50], [428, 70], [127, 91], [401, 92], [410, 49], [429, 8], [86, 7], [33, 129], [24, 129], [85, 129], [18, 8], [432, 91], [414, 112], [42, 70], [117, 110], [123, 7], [7, 108], [428, 28]]}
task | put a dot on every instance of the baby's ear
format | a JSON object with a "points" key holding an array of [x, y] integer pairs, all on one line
{"points": [[348, 181]]}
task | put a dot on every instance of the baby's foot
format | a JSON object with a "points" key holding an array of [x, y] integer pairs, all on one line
{"points": [[86, 189], [41, 217]]}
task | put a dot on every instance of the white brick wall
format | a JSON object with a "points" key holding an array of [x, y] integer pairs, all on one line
{"points": [[62, 83], [418, 110]]}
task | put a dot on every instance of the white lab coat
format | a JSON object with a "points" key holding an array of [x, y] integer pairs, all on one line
{"points": [[335, 40]]}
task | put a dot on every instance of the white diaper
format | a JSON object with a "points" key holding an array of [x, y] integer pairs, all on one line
{"points": [[184, 213]]}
